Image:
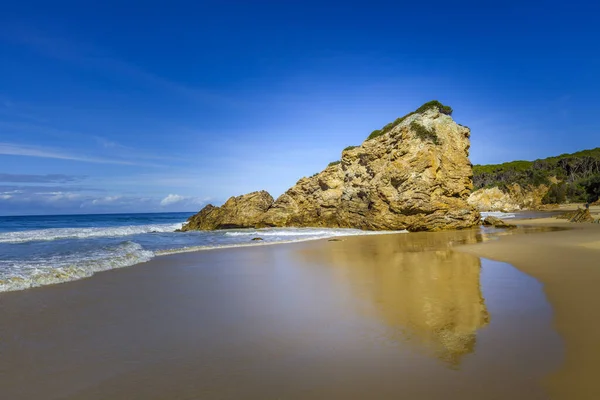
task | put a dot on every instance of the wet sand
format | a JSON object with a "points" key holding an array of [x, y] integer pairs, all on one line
{"points": [[567, 263], [386, 317]]}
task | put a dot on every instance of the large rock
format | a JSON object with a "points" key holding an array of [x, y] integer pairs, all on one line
{"points": [[415, 176], [493, 199], [514, 198], [244, 211]]}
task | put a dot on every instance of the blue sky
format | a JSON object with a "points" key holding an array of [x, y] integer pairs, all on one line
{"points": [[136, 107]]}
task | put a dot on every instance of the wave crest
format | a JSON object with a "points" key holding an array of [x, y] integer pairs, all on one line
{"points": [[84, 233], [49, 271], [497, 214]]}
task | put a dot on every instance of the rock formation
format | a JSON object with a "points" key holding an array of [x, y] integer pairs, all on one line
{"points": [[497, 222], [244, 211], [514, 198], [413, 174], [579, 215]]}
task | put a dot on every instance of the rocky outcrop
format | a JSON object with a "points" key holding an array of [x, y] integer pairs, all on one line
{"points": [[492, 199], [244, 211], [579, 215], [414, 174], [514, 198], [497, 222]]}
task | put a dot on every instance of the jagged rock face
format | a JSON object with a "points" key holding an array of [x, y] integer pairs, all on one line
{"points": [[396, 181], [514, 199], [244, 211], [493, 199], [417, 176]]}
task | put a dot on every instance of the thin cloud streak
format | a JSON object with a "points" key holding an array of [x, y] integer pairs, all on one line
{"points": [[11, 149], [48, 178]]}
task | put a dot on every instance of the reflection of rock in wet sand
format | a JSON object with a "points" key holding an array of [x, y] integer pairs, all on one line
{"points": [[425, 292]]}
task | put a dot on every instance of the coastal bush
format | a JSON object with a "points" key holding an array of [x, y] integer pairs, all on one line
{"points": [[349, 148], [592, 188], [575, 193], [556, 194], [430, 104], [578, 175], [333, 163], [424, 133]]}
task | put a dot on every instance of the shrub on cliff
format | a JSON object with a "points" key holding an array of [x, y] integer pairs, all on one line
{"points": [[430, 104], [333, 163], [435, 104], [424, 133]]}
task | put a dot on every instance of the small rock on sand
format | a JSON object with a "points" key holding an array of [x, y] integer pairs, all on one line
{"points": [[497, 223]]}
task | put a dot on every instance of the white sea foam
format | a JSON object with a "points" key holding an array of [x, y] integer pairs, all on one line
{"points": [[57, 269], [84, 233], [285, 232], [497, 214], [292, 235]]}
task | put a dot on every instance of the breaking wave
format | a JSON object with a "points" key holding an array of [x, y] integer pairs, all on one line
{"points": [[49, 270], [497, 214], [84, 233]]}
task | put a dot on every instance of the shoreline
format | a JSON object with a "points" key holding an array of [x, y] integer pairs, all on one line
{"points": [[567, 263], [163, 253], [86, 270], [564, 261], [382, 314]]}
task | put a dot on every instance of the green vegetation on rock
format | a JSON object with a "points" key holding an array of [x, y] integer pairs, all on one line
{"points": [[430, 104], [333, 163], [349, 148], [571, 177], [424, 133], [435, 104]]}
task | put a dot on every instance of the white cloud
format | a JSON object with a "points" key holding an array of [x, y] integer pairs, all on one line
{"points": [[106, 200], [182, 201], [172, 199], [61, 196]]}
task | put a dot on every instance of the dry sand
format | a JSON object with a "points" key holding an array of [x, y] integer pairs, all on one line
{"points": [[568, 264], [381, 317]]}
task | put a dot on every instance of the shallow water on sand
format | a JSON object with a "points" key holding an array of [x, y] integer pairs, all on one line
{"points": [[386, 317]]}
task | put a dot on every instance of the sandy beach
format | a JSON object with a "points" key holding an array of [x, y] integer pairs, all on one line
{"points": [[299, 200], [567, 264], [386, 316]]}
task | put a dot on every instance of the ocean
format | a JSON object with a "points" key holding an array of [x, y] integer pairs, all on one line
{"points": [[44, 250]]}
